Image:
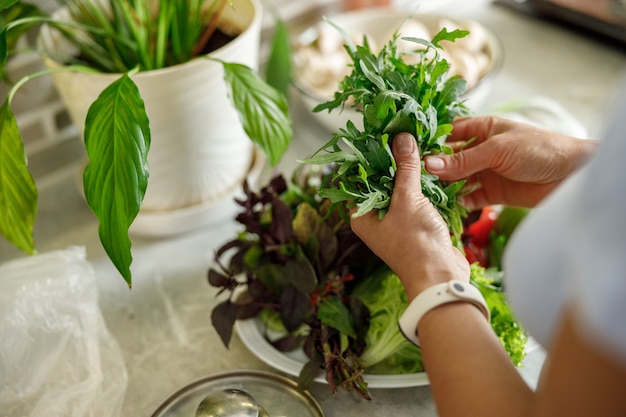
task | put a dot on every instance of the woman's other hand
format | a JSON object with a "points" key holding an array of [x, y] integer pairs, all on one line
{"points": [[508, 162]]}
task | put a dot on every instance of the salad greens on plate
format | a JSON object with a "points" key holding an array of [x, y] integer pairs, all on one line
{"points": [[298, 266]]}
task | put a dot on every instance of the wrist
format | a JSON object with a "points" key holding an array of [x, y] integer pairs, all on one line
{"points": [[425, 275], [441, 294]]}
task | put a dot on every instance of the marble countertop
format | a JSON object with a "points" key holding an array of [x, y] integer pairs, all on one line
{"points": [[163, 324]]}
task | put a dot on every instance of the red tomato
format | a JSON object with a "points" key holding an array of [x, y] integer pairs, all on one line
{"points": [[478, 232], [475, 254]]}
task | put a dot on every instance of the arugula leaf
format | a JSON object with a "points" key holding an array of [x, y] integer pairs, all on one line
{"points": [[394, 97], [444, 35]]}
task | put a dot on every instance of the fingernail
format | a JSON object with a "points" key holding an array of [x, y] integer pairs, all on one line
{"points": [[434, 163], [403, 144]]}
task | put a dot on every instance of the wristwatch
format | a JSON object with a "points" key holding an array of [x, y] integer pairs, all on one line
{"points": [[447, 292]]}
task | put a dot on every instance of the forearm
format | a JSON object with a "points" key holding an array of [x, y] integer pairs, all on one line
{"points": [[469, 370]]}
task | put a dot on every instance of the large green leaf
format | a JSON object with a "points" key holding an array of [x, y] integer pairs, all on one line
{"points": [[18, 193], [4, 52], [17, 19], [117, 139], [5, 4], [278, 73], [263, 110]]}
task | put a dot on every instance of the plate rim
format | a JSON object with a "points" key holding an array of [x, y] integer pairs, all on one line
{"points": [[249, 332]]}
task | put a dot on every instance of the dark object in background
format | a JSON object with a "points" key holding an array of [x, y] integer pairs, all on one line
{"points": [[606, 18]]}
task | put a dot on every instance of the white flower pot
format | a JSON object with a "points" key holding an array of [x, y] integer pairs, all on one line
{"points": [[199, 150]]}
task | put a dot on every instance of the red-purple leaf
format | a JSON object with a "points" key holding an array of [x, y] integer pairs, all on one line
{"points": [[281, 221], [288, 343], [223, 318], [217, 279], [311, 370], [301, 275], [294, 306]]}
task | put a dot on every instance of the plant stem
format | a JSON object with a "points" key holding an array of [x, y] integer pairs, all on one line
{"points": [[25, 79], [210, 29]]}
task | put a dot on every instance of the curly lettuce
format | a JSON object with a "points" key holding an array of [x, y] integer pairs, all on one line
{"points": [[512, 336], [388, 352]]}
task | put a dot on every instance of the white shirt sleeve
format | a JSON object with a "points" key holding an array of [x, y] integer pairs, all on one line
{"points": [[572, 248], [598, 250]]}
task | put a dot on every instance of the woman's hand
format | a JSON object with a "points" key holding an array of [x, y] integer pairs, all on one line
{"points": [[412, 238], [508, 162]]}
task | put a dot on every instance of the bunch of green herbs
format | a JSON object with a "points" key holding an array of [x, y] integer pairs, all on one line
{"points": [[394, 96]]}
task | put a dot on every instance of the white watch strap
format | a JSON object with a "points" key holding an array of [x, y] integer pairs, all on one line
{"points": [[446, 292]]}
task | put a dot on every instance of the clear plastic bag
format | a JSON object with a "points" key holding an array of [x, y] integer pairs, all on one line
{"points": [[57, 357]]}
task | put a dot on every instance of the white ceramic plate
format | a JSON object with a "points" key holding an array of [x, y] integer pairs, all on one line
{"points": [[251, 333]]}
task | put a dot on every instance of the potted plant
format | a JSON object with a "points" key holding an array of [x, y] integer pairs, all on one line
{"points": [[130, 44]]}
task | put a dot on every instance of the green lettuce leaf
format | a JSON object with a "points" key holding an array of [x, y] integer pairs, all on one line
{"points": [[387, 351]]}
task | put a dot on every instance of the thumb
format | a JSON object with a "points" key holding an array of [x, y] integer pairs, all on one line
{"points": [[405, 152]]}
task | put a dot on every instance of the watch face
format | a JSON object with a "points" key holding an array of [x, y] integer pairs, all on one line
{"points": [[458, 287]]}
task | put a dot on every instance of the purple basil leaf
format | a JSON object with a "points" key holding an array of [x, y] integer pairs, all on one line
{"points": [[311, 370], [247, 311], [251, 221], [217, 279], [327, 244], [235, 243], [353, 251], [301, 275], [311, 342], [288, 343], [278, 184], [237, 261], [223, 318], [361, 315], [258, 291], [248, 305], [273, 277], [294, 306], [281, 221]]}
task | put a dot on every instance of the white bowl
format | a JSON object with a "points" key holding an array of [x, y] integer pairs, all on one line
{"points": [[320, 62]]}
